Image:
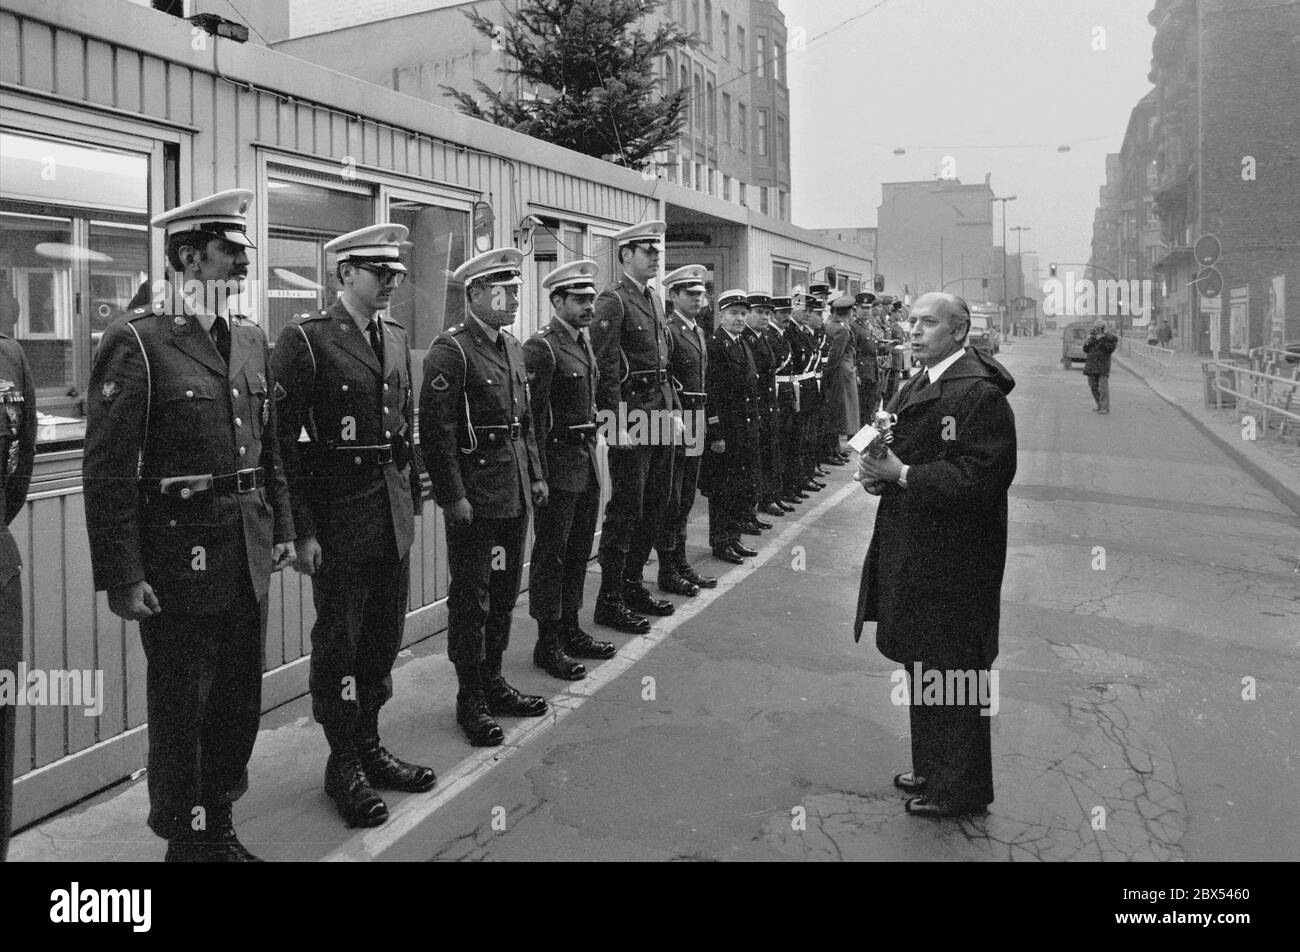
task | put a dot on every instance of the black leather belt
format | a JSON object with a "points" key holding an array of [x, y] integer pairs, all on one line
{"points": [[655, 376], [367, 455], [242, 481], [576, 435], [511, 431]]}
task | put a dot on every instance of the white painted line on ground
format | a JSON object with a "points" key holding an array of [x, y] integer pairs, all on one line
{"points": [[417, 808]]}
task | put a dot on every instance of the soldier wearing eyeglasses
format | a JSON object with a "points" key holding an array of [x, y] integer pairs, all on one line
{"points": [[344, 376]]}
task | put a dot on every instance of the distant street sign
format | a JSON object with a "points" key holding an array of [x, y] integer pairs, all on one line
{"points": [[1209, 282], [1207, 250]]}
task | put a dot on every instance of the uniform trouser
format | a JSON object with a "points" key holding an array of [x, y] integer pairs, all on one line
{"points": [[788, 437], [868, 400], [809, 428], [641, 481], [204, 699], [686, 478], [765, 474], [485, 559], [11, 652], [952, 748], [360, 601], [562, 533], [775, 463], [1099, 384], [727, 509]]}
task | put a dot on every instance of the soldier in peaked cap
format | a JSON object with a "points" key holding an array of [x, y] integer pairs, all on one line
{"points": [[17, 452], [344, 376], [765, 362], [841, 382], [476, 437], [562, 378], [633, 347], [864, 340], [687, 292], [784, 436], [188, 515], [808, 316], [730, 470]]}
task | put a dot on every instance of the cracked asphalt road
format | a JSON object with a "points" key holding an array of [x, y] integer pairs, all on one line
{"points": [[1123, 732]]}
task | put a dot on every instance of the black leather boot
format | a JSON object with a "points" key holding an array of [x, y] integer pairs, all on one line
{"points": [[222, 838], [613, 613], [502, 699], [578, 644], [472, 709], [695, 578], [671, 578], [638, 599], [550, 656], [348, 786]]}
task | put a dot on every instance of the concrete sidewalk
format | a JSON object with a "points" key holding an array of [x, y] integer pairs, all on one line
{"points": [[1273, 460]]}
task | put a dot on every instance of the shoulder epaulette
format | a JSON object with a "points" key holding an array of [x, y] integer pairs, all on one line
{"points": [[318, 316], [140, 312], [544, 331], [458, 329]]}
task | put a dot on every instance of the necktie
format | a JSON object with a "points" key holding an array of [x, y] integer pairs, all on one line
{"points": [[586, 346], [923, 382], [377, 340], [221, 337]]}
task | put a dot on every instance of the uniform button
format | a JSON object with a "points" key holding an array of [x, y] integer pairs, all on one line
{"points": [[172, 523], [190, 394], [385, 388], [185, 494], [357, 460], [388, 409], [388, 435], [345, 388], [234, 392], [243, 450], [238, 422]]}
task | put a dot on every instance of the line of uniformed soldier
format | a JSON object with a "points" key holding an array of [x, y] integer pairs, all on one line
{"points": [[210, 463]]}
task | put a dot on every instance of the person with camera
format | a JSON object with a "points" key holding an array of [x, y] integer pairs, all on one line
{"points": [[1101, 343]]}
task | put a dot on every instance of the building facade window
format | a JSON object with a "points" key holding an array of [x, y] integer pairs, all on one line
{"points": [[798, 277], [761, 132], [697, 92], [708, 23], [764, 205], [696, 10], [742, 130], [780, 279], [726, 118], [726, 35], [726, 187], [783, 205], [760, 57], [782, 155], [74, 249], [740, 47], [778, 62]]}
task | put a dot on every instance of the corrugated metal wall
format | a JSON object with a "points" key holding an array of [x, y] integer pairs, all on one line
{"points": [[63, 755]]}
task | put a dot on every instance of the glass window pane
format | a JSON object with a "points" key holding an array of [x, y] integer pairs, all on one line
{"points": [[119, 265], [45, 170], [427, 302], [302, 218]]}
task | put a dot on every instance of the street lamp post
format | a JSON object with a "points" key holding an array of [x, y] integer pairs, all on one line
{"points": [[1020, 255], [1006, 303]]}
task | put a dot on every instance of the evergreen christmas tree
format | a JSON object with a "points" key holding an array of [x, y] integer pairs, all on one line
{"points": [[593, 69]]}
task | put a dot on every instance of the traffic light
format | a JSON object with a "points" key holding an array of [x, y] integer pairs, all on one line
{"points": [[879, 283], [1052, 268]]}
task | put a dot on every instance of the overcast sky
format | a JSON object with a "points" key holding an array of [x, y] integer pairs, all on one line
{"points": [[997, 85]]}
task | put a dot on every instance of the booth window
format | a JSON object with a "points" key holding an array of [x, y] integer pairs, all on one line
{"points": [[74, 248]]}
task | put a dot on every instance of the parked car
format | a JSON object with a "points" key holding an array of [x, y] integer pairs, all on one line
{"points": [[983, 335], [1072, 338]]}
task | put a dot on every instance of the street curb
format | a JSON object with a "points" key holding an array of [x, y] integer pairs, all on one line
{"points": [[1284, 493]]}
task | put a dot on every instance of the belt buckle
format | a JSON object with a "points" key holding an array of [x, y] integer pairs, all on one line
{"points": [[240, 486], [384, 454], [516, 431]]}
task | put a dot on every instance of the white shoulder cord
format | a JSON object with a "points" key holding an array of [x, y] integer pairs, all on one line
{"points": [[148, 400], [469, 422]]}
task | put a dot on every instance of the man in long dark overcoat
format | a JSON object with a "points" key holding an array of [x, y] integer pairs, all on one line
{"points": [[933, 574]]}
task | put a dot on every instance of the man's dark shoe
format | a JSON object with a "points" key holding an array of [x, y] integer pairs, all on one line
{"points": [[771, 509], [222, 838], [551, 658], [579, 644], [725, 553], [385, 771], [695, 578], [742, 550], [612, 613], [748, 528], [505, 701], [637, 599], [784, 505], [924, 806], [347, 785], [473, 717], [676, 584], [909, 782]]}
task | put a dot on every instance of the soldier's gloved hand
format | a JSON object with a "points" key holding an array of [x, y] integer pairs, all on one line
{"points": [[541, 493], [718, 446], [459, 513], [134, 601], [308, 560]]}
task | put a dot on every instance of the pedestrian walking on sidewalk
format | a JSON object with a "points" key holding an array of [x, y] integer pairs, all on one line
{"points": [[1101, 343], [1165, 334]]}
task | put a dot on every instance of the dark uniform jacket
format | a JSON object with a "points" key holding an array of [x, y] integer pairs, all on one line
{"points": [[804, 356], [329, 385], [865, 351], [689, 362], [182, 412], [562, 379], [470, 385], [630, 337], [1098, 348], [783, 360], [760, 349], [733, 390], [932, 579], [17, 453]]}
